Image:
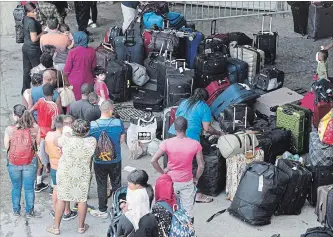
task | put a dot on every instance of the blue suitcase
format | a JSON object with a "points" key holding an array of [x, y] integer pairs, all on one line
{"points": [[234, 94], [151, 20], [191, 48], [129, 48], [237, 70]]}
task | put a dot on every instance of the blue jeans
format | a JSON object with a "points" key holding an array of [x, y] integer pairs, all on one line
{"points": [[23, 175]]}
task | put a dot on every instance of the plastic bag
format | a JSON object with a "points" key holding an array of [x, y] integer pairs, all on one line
{"points": [[153, 146]]}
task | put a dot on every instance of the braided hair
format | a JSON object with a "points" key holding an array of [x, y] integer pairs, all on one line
{"points": [[200, 94], [81, 127]]}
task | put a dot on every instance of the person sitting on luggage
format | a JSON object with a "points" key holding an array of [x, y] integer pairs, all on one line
{"points": [[100, 87], [181, 151], [322, 64], [199, 117]]}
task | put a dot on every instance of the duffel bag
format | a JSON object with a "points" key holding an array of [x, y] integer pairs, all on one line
{"points": [[164, 41], [176, 20], [140, 76], [152, 21]]}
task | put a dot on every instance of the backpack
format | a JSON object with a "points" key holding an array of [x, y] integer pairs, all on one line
{"points": [[21, 150], [19, 14], [181, 225], [105, 150]]}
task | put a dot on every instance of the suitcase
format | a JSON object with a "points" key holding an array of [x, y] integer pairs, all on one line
{"points": [[146, 36], [321, 176], [221, 36], [269, 79], [215, 88], [240, 38], [164, 40], [322, 203], [295, 121], [329, 213], [129, 45], [320, 154], [151, 85], [148, 101], [308, 101], [274, 142], [300, 13], [110, 35], [237, 70], [178, 86], [320, 21], [259, 192], [210, 64], [318, 232], [104, 54], [266, 103], [253, 57], [298, 187], [213, 179], [267, 41], [234, 94], [118, 80], [236, 165], [236, 118], [191, 48], [320, 110], [212, 45]]}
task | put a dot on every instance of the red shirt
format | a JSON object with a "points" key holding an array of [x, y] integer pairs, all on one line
{"points": [[47, 110], [101, 86]]}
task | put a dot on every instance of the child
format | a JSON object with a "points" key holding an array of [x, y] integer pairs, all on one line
{"points": [[66, 31], [100, 86], [322, 67]]}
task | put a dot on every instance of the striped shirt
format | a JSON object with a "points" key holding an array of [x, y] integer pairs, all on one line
{"points": [[47, 110]]}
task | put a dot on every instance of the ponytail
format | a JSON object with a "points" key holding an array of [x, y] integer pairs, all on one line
{"points": [[25, 119]]}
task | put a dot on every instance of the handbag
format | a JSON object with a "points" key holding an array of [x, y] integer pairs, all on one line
{"points": [[66, 92], [232, 144], [325, 128]]}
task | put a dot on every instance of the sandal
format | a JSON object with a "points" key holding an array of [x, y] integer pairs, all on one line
{"points": [[83, 229], [205, 199], [51, 229]]}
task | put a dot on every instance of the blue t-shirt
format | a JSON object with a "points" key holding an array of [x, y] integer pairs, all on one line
{"points": [[114, 128], [195, 116]]}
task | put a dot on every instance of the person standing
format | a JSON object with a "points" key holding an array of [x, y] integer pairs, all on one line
{"points": [[73, 173], [82, 14], [181, 151], [114, 129], [93, 19], [129, 12], [22, 161], [80, 63], [31, 49], [48, 10]]}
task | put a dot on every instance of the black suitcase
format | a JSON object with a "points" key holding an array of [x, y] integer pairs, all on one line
{"points": [[318, 232], [300, 12], [241, 112], [237, 70], [129, 46], [118, 80], [260, 190], [321, 176], [211, 45], [269, 79], [267, 41], [148, 101], [320, 22], [298, 187]]}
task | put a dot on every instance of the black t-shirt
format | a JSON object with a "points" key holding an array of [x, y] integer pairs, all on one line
{"points": [[31, 25], [82, 109], [147, 227]]}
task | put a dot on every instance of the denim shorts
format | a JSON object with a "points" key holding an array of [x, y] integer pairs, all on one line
{"points": [[44, 157], [53, 174]]}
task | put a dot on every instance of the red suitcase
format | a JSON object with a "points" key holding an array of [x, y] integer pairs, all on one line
{"points": [[215, 88], [146, 41], [308, 101], [320, 110]]}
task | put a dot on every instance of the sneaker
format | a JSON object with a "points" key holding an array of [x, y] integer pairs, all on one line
{"points": [[16, 213], [69, 216], [93, 25], [52, 214], [98, 213], [40, 187], [51, 191], [30, 215], [90, 22]]}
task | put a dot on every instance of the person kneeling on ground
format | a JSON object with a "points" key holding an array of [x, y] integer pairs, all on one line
{"points": [[180, 151]]}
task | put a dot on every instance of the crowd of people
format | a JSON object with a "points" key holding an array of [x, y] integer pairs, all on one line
{"points": [[62, 140]]}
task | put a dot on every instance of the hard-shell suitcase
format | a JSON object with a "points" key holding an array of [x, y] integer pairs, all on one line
{"points": [[300, 12], [237, 70], [298, 187], [321, 176], [148, 101], [118, 80], [129, 46], [320, 154], [267, 41], [322, 203], [320, 21], [191, 48], [318, 232], [253, 57], [269, 79], [329, 213], [259, 192], [234, 94], [293, 120], [320, 110], [215, 88], [103, 55], [266, 103], [308, 101]]}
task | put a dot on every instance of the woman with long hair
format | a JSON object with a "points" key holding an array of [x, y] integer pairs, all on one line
{"points": [[20, 141], [73, 173]]}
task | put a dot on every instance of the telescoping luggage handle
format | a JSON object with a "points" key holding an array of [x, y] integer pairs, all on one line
{"points": [[234, 120], [270, 22], [213, 27]]}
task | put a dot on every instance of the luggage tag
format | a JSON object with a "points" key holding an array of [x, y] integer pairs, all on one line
{"points": [[261, 183]]}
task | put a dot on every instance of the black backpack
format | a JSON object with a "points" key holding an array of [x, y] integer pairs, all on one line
{"points": [[19, 14], [105, 150]]}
